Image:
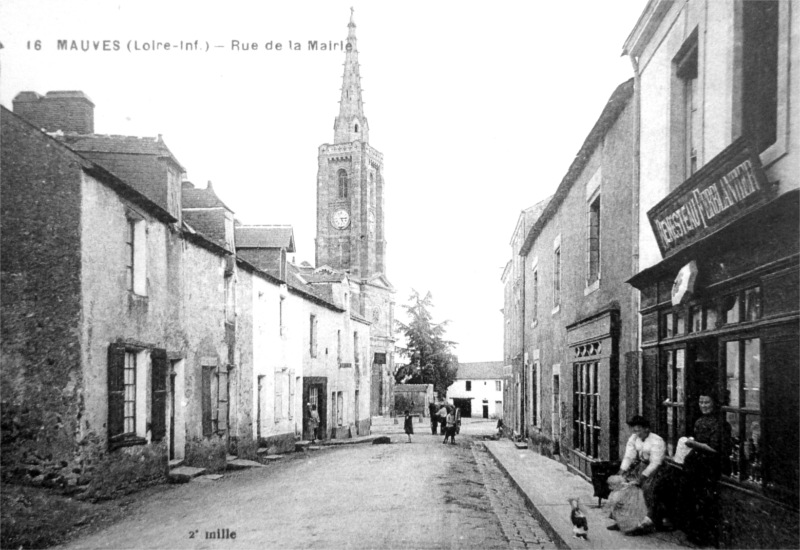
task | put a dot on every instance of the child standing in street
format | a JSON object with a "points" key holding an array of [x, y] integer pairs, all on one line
{"points": [[408, 425]]}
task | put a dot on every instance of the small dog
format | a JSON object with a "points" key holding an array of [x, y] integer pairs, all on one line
{"points": [[580, 526]]}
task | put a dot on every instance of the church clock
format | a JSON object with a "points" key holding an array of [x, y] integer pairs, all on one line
{"points": [[340, 219]]}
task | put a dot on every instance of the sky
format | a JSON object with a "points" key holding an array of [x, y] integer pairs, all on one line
{"points": [[478, 108]]}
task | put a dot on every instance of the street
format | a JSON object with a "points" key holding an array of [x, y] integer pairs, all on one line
{"points": [[418, 495]]}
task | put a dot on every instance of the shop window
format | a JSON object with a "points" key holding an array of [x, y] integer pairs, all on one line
{"points": [[674, 362], [745, 305], [585, 403], [760, 71], [668, 324], [743, 413], [696, 319], [680, 322]]}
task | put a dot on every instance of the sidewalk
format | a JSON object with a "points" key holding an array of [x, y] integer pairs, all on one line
{"points": [[547, 484]]}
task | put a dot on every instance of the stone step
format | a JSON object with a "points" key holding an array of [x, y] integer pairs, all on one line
{"points": [[243, 464], [184, 474], [520, 445], [209, 477], [175, 463]]}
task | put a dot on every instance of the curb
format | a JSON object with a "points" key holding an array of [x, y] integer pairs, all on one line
{"points": [[554, 535]]}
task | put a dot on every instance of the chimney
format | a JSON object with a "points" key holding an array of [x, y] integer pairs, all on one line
{"points": [[68, 111]]}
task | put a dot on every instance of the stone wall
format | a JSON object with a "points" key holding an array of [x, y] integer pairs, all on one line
{"points": [[41, 378]]}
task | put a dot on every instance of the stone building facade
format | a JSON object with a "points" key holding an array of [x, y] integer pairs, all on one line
{"points": [[580, 321], [132, 334], [514, 355], [351, 223], [718, 234]]}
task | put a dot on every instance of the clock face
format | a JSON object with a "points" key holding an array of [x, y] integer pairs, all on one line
{"points": [[340, 219]]}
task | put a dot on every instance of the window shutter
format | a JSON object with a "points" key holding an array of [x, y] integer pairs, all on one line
{"points": [[159, 384], [206, 400], [116, 390]]}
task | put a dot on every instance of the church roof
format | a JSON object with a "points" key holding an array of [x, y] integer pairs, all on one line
{"points": [[351, 105]]}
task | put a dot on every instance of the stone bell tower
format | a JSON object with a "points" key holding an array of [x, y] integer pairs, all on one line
{"points": [[350, 220]]}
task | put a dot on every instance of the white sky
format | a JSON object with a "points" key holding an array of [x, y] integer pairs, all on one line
{"points": [[478, 108]]}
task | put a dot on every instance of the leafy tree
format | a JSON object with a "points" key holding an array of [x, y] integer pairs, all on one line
{"points": [[430, 357]]}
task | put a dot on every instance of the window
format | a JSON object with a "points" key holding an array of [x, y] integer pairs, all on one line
{"points": [[136, 255], [130, 393], [128, 398], [339, 409], [343, 183], [760, 71], [356, 350], [469, 385], [535, 305], [742, 306], [743, 384], [585, 403], [685, 113], [673, 369], [313, 335], [535, 394], [280, 378], [594, 242], [557, 277], [214, 400], [497, 386]]}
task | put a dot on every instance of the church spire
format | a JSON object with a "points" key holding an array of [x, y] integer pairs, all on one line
{"points": [[351, 124]]}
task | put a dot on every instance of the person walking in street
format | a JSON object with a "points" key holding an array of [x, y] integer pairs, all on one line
{"points": [[408, 425], [450, 426], [313, 422], [432, 410]]}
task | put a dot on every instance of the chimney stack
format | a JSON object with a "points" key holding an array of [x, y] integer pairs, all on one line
{"points": [[68, 111]]}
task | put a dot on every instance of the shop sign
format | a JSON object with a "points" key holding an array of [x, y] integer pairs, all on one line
{"points": [[729, 186]]}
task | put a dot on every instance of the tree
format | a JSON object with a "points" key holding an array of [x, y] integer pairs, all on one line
{"points": [[430, 357]]}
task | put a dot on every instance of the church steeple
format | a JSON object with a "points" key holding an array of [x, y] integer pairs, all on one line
{"points": [[351, 124]]}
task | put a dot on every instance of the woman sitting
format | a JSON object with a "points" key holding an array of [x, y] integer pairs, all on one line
{"points": [[644, 454]]}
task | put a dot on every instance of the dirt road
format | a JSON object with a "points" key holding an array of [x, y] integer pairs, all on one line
{"points": [[419, 495]]}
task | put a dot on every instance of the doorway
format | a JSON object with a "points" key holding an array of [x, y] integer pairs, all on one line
{"points": [[314, 393], [486, 408], [464, 405]]}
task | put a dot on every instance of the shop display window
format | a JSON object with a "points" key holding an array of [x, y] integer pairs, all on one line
{"points": [[743, 413], [673, 369]]}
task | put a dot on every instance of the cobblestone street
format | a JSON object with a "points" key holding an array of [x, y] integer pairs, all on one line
{"points": [[419, 495]]}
